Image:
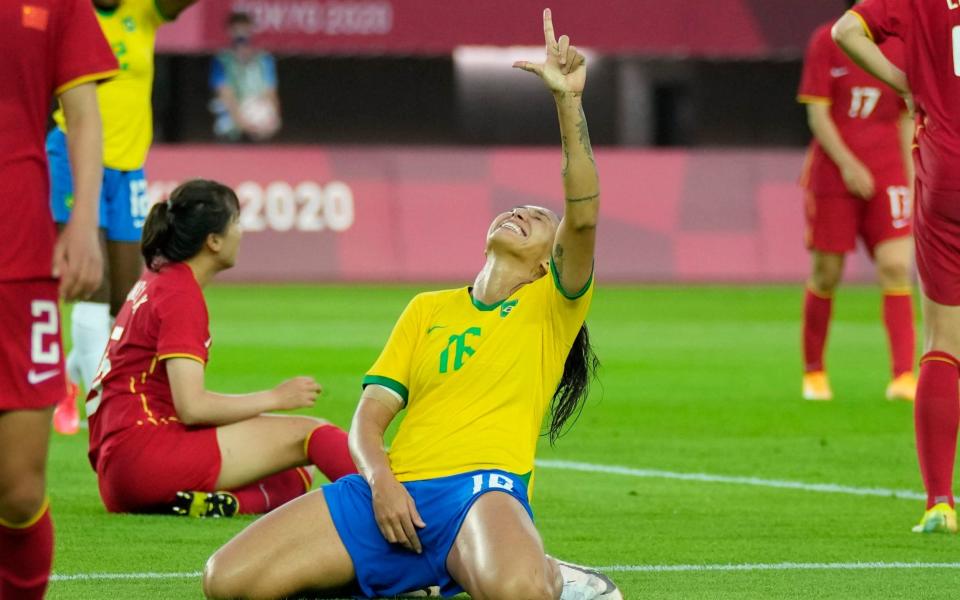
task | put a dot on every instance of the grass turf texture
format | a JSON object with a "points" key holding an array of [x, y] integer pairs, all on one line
{"points": [[694, 379]]}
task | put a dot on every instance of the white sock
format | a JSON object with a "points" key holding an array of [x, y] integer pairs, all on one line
{"points": [[90, 327]]}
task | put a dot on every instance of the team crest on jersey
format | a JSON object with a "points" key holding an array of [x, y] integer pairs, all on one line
{"points": [[129, 24], [507, 307]]}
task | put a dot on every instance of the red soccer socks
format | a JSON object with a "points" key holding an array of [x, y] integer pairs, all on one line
{"points": [[816, 320], [898, 320], [326, 447], [270, 492], [936, 415], [26, 554]]}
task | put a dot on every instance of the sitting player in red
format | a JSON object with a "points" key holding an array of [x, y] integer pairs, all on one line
{"points": [[930, 30], [158, 438], [858, 180]]}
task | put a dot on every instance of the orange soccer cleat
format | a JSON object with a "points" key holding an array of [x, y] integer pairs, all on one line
{"points": [[903, 387], [66, 417], [816, 386]]}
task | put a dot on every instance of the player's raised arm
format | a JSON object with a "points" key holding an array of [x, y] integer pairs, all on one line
{"points": [[565, 74], [851, 34]]}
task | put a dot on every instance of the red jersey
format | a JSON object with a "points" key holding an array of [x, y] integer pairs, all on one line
{"points": [[46, 48], [930, 30], [164, 316], [866, 112]]}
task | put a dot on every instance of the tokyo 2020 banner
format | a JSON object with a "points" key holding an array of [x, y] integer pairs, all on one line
{"points": [[747, 28], [409, 214]]}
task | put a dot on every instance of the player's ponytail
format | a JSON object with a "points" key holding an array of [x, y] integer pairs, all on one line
{"points": [[578, 371], [176, 230]]}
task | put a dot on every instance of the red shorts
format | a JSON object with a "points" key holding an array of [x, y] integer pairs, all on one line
{"points": [[938, 244], [835, 222], [31, 358], [142, 469]]}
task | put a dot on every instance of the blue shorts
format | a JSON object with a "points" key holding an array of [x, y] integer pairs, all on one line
{"points": [[384, 569], [124, 202]]}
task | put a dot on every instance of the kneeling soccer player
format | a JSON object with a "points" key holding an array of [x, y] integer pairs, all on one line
{"points": [[476, 368]]}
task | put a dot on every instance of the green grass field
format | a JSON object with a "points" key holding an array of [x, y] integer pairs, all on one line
{"points": [[694, 380]]}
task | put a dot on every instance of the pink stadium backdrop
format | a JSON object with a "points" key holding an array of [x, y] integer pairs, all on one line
{"points": [[700, 27], [405, 214]]}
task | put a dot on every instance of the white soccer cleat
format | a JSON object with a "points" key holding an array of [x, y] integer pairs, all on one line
{"points": [[582, 583], [430, 592]]}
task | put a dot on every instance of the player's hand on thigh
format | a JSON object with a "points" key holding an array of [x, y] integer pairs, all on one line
{"points": [[858, 180], [396, 513]]}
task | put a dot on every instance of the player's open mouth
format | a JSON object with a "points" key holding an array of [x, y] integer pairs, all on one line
{"points": [[510, 225]]}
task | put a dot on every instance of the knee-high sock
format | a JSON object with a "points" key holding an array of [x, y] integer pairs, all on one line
{"points": [[270, 492], [326, 447], [816, 320], [90, 329], [898, 320], [26, 554], [936, 415]]}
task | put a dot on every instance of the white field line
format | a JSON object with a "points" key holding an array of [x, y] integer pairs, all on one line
{"points": [[785, 566], [829, 488], [105, 576], [825, 488]]}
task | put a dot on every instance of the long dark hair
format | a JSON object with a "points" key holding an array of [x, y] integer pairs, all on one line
{"points": [[578, 371], [176, 230]]}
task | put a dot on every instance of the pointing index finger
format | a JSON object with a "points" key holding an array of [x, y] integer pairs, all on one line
{"points": [[548, 34]]}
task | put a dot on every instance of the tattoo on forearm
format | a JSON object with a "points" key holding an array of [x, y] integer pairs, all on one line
{"points": [[585, 135], [558, 259], [566, 155], [584, 198]]}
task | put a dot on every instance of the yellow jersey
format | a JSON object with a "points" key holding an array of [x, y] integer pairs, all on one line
{"points": [[477, 379], [125, 100]]}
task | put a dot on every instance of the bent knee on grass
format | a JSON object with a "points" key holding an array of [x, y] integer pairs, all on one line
{"points": [[294, 548], [518, 586]]}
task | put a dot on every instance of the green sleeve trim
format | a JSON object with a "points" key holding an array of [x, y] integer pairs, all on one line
{"points": [[163, 16], [559, 286], [391, 384], [526, 478]]}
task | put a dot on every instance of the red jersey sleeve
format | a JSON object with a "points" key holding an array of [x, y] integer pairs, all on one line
{"points": [[815, 82], [184, 327], [82, 53], [882, 18]]}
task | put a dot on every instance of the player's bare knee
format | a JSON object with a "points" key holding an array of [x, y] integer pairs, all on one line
{"points": [[826, 276], [21, 501], [308, 424], [218, 581], [523, 586], [894, 275]]}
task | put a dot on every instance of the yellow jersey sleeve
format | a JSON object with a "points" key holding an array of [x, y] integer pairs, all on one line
{"points": [[393, 367]]}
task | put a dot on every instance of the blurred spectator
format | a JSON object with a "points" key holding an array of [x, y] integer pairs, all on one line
{"points": [[244, 81]]}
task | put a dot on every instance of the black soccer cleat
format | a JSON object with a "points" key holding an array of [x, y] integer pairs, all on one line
{"points": [[214, 505]]}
